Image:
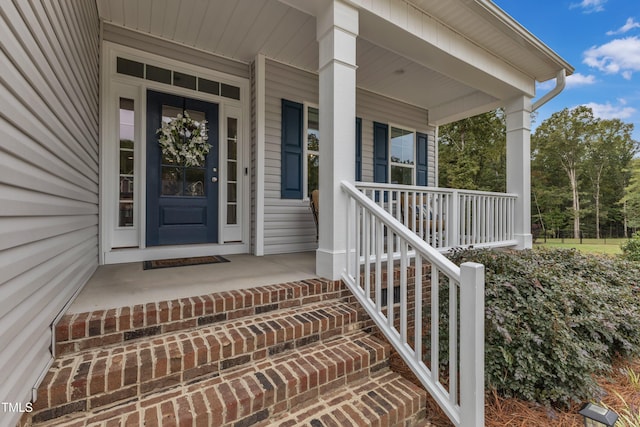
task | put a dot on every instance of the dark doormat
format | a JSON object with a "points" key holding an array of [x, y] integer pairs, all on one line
{"points": [[181, 262]]}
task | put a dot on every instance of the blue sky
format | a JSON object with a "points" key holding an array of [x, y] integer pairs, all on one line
{"points": [[601, 39]]}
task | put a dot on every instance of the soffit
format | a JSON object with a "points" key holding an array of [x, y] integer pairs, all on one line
{"points": [[240, 29]]}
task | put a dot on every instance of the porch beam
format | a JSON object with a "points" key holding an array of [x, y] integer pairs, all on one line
{"points": [[337, 30], [518, 112]]}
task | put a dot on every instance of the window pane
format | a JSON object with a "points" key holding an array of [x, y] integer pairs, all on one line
{"points": [[126, 188], [313, 129], [158, 74], [130, 68], [232, 128], [125, 217], [402, 146], [313, 168], [126, 164], [231, 192], [208, 86], [184, 80], [232, 171], [229, 91], [401, 175], [232, 214]]}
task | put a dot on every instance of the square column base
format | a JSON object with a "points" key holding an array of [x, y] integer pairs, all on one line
{"points": [[525, 241], [330, 265]]}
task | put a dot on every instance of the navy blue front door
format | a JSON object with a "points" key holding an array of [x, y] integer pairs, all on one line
{"points": [[182, 202]]}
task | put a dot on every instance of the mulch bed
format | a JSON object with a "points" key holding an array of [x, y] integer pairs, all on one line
{"points": [[500, 412]]}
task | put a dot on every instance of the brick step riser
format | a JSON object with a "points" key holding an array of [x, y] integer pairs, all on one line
{"points": [[252, 393], [82, 331], [384, 400], [129, 372]]}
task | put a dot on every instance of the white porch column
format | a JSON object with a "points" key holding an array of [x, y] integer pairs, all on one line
{"points": [[518, 113], [337, 29]]}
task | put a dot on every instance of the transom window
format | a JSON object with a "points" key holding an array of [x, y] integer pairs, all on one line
{"points": [[402, 156]]}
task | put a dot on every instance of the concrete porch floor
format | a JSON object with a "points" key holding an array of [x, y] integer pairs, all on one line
{"points": [[119, 285]]}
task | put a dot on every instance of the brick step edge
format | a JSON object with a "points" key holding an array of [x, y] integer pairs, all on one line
{"points": [[250, 393], [385, 399], [97, 378], [81, 331]]}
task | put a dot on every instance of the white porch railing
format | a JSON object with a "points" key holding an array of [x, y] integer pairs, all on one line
{"points": [[447, 218], [436, 323]]}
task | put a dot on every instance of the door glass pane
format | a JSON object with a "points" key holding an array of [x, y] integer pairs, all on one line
{"points": [[177, 179], [126, 163], [171, 181], [194, 184]]}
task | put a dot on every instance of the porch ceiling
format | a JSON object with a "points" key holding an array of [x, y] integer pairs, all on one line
{"points": [[240, 29]]}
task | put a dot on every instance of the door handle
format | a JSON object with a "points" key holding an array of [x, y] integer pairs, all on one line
{"points": [[214, 179]]}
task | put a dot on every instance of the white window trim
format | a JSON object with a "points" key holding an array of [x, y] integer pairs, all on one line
{"points": [[415, 157], [305, 150]]}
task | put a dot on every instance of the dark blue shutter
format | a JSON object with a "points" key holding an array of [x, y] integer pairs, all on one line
{"points": [[292, 116], [358, 149], [422, 158], [380, 152]]}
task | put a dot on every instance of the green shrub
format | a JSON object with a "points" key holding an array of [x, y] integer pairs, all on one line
{"points": [[553, 319], [631, 248]]}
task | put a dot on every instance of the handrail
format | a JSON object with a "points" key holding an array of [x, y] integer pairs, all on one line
{"points": [[419, 188], [374, 238]]}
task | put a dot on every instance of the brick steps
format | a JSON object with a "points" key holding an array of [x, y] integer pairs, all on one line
{"points": [[94, 378], [256, 394], [293, 354], [82, 331]]}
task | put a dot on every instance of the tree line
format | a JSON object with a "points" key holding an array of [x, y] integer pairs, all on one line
{"points": [[584, 176]]}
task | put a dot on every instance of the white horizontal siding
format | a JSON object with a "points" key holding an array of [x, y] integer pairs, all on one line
{"points": [[48, 178], [289, 225], [174, 50], [371, 108]]}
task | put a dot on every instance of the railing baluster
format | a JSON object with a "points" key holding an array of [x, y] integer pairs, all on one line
{"points": [[403, 290], [435, 324], [367, 254], [358, 220], [390, 280], [379, 249], [418, 308], [453, 342]]}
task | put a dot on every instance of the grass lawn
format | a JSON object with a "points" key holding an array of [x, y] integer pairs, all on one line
{"points": [[588, 246]]}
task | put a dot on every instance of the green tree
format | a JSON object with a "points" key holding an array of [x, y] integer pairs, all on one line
{"points": [[631, 199], [608, 153], [472, 153], [562, 141]]}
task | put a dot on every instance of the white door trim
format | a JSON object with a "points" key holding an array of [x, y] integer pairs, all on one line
{"points": [[114, 86]]}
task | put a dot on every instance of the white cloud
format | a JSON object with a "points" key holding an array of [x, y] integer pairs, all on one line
{"points": [[589, 6], [628, 26], [608, 111], [620, 56], [578, 79]]}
